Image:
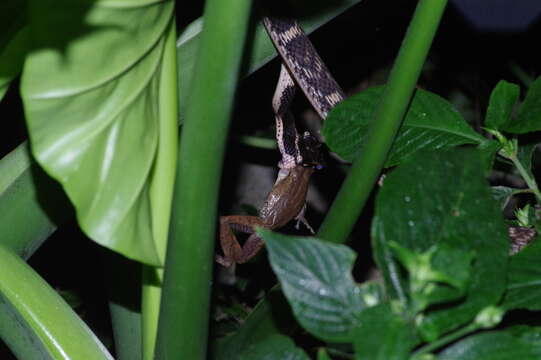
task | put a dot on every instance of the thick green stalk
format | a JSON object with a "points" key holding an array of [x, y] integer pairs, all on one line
{"points": [[389, 114], [184, 313], [36, 322]]}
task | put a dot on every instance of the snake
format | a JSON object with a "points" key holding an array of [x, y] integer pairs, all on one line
{"points": [[301, 67]]}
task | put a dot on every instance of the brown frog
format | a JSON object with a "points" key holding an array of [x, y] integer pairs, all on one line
{"points": [[286, 201]]}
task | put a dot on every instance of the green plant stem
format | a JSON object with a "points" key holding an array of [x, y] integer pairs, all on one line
{"points": [[530, 181], [36, 322], [184, 309], [446, 339], [388, 116]]}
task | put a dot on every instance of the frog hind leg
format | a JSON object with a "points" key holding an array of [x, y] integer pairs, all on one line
{"points": [[233, 252], [301, 219]]}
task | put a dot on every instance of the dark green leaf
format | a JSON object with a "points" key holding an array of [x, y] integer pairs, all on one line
{"points": [[525, 154], [501, 104], [529, 114], [491, 346], [430, 123], [316, 279], [443, 198], [275, 347], [383, 335], [524, 285], [322, 355], [258, 326], [12, 58], [488, 150], [502, 194]]}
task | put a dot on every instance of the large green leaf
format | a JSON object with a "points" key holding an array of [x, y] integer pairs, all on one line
{"points": [[316, 279], [383, 335], [93, 110], [492, 346], [430, 123], [528, 118], [442, 198], [524, 279], [501, 105]]}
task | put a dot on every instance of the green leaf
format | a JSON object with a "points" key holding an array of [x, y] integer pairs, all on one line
{"points": [[31, 203], [36, 322], [524, 287], [275, 347], [501, 104], [440, 274], [525, 155], [491, 346], [528, 118], [94, 114], [258, 326], [316, 279], [430, 123], [12, 58], [502, 194], [322, 355], [418, 207], [488, 150], [383, 335]]}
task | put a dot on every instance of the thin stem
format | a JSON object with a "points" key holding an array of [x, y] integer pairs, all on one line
{"points": [[388, 117], [530, 181], [446, 339]]}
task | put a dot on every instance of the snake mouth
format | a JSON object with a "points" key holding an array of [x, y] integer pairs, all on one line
{"points": [[309, 147]]}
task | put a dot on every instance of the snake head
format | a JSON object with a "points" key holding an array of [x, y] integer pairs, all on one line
{"points": [[309, 148]]}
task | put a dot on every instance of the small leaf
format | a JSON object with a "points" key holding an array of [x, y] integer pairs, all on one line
{"points": [[524, 287], [316, 279], [525, 155], [443, 198], [488, 150], [322, 355], [502, 194], [430, 123], [491, 346], [529, 114], [383, 335], [501, 104]]}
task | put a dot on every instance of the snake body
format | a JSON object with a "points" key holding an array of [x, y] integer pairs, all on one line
{"points": [[301, 66]]}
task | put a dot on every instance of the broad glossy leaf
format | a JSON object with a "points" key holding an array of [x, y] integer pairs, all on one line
{"points": [[316, 279], [524, 279], [443, 198], [501, 104], [91, 97], [383, 335], [430, 123], [528, 118], [491, 346]]}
